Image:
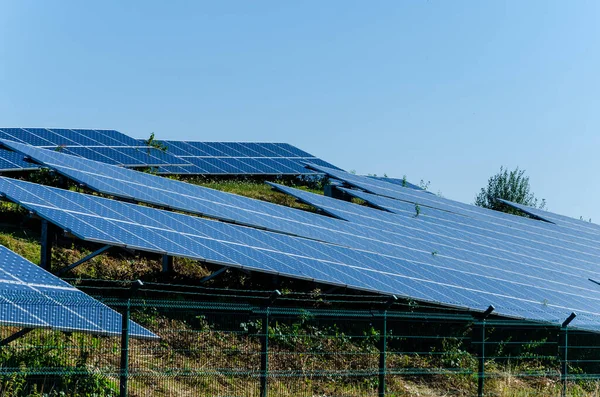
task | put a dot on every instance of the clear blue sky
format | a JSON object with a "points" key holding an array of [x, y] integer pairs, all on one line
{"points": [[446, 91]]}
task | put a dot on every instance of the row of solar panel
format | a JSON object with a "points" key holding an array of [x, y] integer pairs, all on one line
{"points": [[51, 138], [107, 146], [181, 196], [516, 272], [242, 166], [244, 158], [422, 198], [196, 158], [11, 161], [234, 149], [447, 281], [31, 297]]}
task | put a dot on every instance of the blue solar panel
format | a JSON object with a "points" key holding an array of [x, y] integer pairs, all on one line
{"points": [[241, 158], [30, 297], [577, 225], [195, 158], [167, 192], [521, 240], [418, 275], [11, 161], [109, 146], [396, 181], [478, 251]]}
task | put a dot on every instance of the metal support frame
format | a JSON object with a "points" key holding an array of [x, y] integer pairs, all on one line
{"points": [[333, 192], [213, 275], [124, 365], [85, 259], [15, 336], [167, 264], [481, 355], [46, 251], [264, 346], [564, 343], [383, 347]]}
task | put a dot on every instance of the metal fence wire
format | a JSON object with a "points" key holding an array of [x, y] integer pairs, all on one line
{"points": [[217, 347]]}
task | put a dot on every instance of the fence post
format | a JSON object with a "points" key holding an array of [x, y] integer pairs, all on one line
{"points": [[124, 365], [264, 347], [481, 365], [564, 333], [383, 347], [383, 355], [264, 356]]}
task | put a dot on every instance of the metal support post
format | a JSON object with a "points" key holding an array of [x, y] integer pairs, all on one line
{"points": [[382, 356], [46, 251], [564, 343], [264, 346], [124, 367], [264, 357], [383, 348], [167, 264], [481, 366]]}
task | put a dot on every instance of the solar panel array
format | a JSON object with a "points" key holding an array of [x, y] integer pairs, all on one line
{"points": [[11, 161], [578, 225], [107, 146], [180, 157], [407, 271], [524, 247], [240, 158], [164, 192], [30, 297], [456, 255]]}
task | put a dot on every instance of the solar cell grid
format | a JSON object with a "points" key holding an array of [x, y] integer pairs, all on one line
{"points": [[549, 238], [577, 225], [11, 161], [107, 146], [243, 158], [516, 225], [470, 236], [30, 297], [396, 181]]}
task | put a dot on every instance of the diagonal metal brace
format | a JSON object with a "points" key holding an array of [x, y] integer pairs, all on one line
{"points": [[213, 275], [83, 260], [15, 336]]}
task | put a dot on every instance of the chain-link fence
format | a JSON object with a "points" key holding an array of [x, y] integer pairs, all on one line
{"points": [[262, 344]]}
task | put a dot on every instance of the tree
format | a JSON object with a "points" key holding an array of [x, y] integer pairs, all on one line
{"points": [[508, 185]]}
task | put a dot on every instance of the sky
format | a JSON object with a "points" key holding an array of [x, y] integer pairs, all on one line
{"points": [[444, 91]]}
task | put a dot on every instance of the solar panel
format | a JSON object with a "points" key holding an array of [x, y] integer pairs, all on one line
{"points": [[396, 181], [524, 237], [11, 161], [240, 158], [421, 197], [30, 297], [403, 239], [177, 195], [577, 225], [108, 146], [413, 273], [572, 227]]}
